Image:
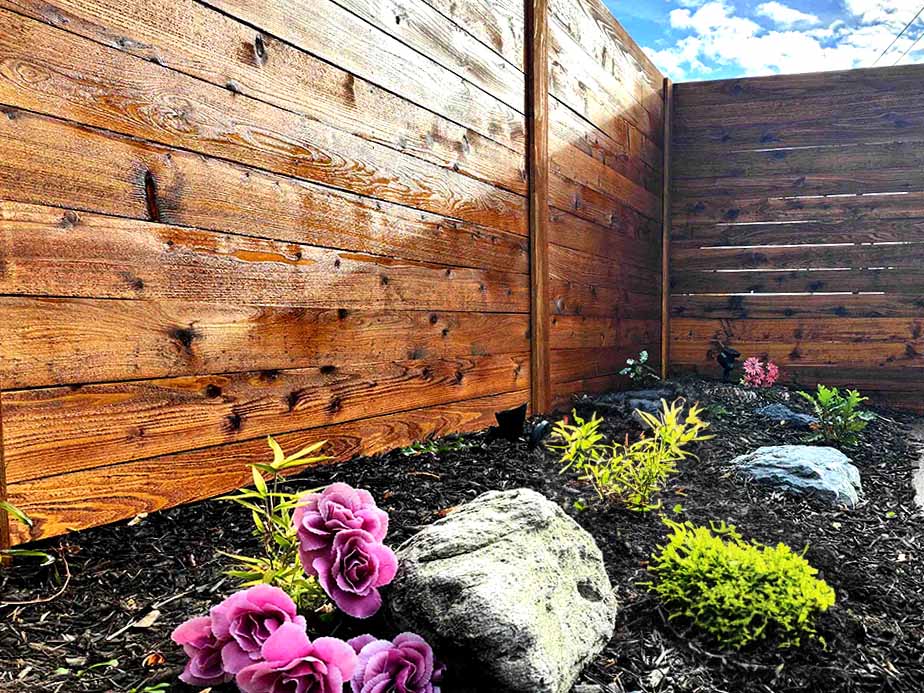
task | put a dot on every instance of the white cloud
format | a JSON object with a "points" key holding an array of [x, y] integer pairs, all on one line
{"points": [[714, 35], [784, 15]]}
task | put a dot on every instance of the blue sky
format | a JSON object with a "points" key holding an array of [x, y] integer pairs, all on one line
{"points": [[715, 39]]}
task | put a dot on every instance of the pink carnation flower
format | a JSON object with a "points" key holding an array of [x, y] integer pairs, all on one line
{"points": [[293, 663], [246, 620], [320, 516], [204, 667], [404, 665], [351, 572]]}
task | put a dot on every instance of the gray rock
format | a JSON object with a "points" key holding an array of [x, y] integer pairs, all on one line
{"points": [[804, 469], [783, 414], [510, 585]]}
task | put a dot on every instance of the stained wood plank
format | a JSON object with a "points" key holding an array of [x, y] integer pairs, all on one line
{"points": [[637, 272], [565, 392], [77, 341], [791, 233], [667, 185], [499, 24], [418, 25], [583, 364], [901, 280], [575, 298], [813, 306], [186, 36], [856, 208], [537, 79], [133, 179], [800, 256], [64, 253], [57, 430], [119, 92], [330, 32], [94, 497], [614, 241], [582, 331]]}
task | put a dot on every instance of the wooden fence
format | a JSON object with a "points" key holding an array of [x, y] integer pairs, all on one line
{"points": [[798, 227], [223, 219]]}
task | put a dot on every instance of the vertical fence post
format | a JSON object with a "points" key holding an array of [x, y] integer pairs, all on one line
{"points": [[537, 126], [668, 95], [4, 517]]}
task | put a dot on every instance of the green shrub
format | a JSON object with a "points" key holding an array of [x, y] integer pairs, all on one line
{"points": [[630, 473], [737, 591], [840, 418]]}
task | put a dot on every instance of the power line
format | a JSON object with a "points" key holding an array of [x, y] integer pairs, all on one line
{"points": [[920, 36], [900, 34]]}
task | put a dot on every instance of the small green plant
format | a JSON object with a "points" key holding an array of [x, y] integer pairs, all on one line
{"points": [[271, 510], [840, 418], [630, 473], [152, 688], [737, 591], [18, 515], [638, 369], [435, 447], [577, 442]]}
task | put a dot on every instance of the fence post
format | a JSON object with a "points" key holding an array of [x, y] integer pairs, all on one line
{"points": [[668, 95], [4, 517], [537, 127]]}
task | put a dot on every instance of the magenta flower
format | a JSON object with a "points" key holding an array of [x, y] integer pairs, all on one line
{"points": [[320, 516], [404, 665], [246, 620], [204, 667], [293, 664], [760, 374], [352, 571]]}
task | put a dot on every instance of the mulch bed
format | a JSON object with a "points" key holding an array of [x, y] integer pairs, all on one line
{"points": [[873, 556]]}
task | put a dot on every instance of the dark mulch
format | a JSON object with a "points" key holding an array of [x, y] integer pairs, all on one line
{"points": [[872, 556]]}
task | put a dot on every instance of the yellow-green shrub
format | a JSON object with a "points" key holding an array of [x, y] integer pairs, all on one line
{"points": [[737, 591]]}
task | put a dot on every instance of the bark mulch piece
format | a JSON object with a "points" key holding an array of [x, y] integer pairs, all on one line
{"points": [[132, 583]]}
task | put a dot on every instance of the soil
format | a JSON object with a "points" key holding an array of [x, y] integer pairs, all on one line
{"points": [[99, 634]]}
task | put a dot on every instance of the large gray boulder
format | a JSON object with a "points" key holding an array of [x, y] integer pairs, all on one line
{"points": [[513, 587], [804, 469]]}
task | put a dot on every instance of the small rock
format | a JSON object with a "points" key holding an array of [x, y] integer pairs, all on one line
{"points": [[512, 588], [804, 469], [783, 414]]}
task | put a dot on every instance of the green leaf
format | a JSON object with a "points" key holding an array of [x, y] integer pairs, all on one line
{"points": [[12, 510], [258, 480], [278, 454]]}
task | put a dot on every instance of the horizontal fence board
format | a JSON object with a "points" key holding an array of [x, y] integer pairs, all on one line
{"points": [[582, 331], [612, 241], [857, 208], [800, 256], [332, 33], [127, 178], [809, 306], [586, 363], [594, 93], [122, 93], [88, 498], [63, 253], [76, 341], [565, 392], [186, 36], [58, 430], [632, 273], [900, 280], [576, 298], [794, 233], [868, 83], [420, 26], [499, 24]]}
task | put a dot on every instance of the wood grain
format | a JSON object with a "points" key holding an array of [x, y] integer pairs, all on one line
{"points": [[53, 341], [499, 24], [125, 94], [335, 35], [93, 497], [196, 40], [537, 79], [64, 253], [51, 431], [127, 178]]}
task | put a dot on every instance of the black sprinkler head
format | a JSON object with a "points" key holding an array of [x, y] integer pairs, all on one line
{"points": [[726, 359], [539, 432], [510, 423]]}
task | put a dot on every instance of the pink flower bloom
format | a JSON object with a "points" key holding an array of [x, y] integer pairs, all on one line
{"points": [[293, 664], [204, 651], [404, 665], [320, 516], [772, 374], [246, 620], [353, 570]]}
